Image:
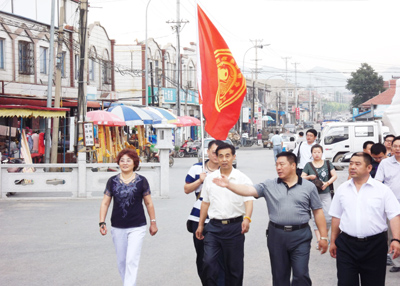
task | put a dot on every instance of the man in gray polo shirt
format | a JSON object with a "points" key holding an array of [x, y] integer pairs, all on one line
{"points": [[289, 200]]}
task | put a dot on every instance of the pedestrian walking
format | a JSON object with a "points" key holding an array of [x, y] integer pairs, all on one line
{"points": [[193, 184], [230, 217], [303, 150], [289, 200], [277, 144], [389, 174], [128, 221], [378, 153], [358, 236], [388, 144], [325, 172]]}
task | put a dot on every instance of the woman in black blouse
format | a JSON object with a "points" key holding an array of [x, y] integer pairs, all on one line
{"points": [[128, 220]]}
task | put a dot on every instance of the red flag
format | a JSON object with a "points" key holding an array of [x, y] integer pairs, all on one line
{"points": [[222, 86]]}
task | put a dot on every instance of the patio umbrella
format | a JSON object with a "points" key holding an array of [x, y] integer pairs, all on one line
{"points": [[165, 114], [131, 115], [156, 118], [183, 121], [102, 117], [267, 118]]}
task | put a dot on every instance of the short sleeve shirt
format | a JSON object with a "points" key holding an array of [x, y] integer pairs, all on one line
{"points": [[225, 204], [363, 213], [323, 173], [289, 206], [127, 208], [389, 173], [276, 140]]}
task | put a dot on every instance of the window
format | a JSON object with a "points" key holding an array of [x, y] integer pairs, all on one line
{"points": [[290, 93], [2, 53], [91, 69], [62, 63], [77, 65], [43, 60], [364, 131], [106, 75], [25, 57], [336, 134]]}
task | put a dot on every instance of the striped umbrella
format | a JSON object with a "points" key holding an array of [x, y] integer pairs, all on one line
{"points": [[169, 116], [131, 115], [156, 118], [102, 117]]}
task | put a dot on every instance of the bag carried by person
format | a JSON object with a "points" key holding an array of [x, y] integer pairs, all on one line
{"points": [[332, 190], [317, 182]]}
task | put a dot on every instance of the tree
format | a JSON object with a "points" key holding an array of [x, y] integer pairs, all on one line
{"points": [[364, 83]]}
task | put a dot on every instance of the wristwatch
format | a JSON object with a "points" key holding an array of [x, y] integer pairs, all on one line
{"points": [[324, 238]]}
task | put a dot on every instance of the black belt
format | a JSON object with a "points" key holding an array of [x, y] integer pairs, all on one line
{"points": [[229, 220], [367, 238], [289, 227]]}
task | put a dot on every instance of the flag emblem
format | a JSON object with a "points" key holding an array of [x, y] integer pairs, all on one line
{"points": [[231, 83]]}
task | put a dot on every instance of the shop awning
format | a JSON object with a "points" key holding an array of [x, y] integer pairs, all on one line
{"points": [[43, 102], [31, 111]]}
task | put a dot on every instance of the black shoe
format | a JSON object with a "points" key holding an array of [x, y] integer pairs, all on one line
{"points": [[394, 269]]}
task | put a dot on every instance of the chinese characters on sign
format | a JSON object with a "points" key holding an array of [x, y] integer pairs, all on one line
{"points": [[88, 134]]}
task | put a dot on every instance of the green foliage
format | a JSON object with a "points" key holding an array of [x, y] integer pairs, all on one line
{"points": [[364, 83], [334, 107]]}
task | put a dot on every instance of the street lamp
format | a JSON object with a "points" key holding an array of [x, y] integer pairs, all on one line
{"points": [[257, 47], [146, 68]]}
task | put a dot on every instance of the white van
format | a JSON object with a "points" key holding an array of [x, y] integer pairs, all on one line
{"points": [[338, 138]]}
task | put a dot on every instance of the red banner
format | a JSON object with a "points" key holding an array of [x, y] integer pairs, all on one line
{"points": [[222, 86]]}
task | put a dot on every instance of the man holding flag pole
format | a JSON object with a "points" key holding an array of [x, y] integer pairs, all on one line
{"points": [[222, 88]]}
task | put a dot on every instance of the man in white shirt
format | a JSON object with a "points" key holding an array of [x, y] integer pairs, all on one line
{"points": [[303, 150], [358, 235], [389, 173], [277, 144], [230, 217]]}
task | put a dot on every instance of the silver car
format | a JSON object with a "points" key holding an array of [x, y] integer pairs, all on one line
{"points": [[206, 142]]}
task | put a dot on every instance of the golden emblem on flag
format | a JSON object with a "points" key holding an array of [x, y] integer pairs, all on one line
{"points": [[231, 83]]}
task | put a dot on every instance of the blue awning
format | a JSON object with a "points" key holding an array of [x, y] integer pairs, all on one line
{"points": [[280, 112], [360, 114]]}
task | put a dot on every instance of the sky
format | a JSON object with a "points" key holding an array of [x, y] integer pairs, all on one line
{"points": [[335, 34]]}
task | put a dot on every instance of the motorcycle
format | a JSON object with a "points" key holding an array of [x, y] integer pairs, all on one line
{"points": [[250, 142], [189, 149]]}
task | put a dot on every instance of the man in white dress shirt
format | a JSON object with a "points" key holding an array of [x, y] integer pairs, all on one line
{"points": [[389, 173], [358, 236], [230, 217]]}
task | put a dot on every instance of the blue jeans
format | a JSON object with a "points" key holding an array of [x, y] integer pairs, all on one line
{"points": [[277, 149]]}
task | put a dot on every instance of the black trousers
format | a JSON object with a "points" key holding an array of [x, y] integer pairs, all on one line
{"points": [[228, 241], [199, 246], [365, 260], [289, 252]]}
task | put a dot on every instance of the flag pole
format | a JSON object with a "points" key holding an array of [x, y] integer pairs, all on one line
{"points": [[199, 82], [202, 134]]}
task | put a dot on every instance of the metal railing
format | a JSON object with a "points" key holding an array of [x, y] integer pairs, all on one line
{"points": [[78, 180]]}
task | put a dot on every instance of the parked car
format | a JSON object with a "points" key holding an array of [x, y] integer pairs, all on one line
{"points": [[308, 124], [206, 142], [290, 127]]}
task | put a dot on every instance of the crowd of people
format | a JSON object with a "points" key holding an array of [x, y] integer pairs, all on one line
{"points": [[362, 214]]}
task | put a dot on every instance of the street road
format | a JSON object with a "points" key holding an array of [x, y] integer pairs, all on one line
{"points": [[57, 242]]}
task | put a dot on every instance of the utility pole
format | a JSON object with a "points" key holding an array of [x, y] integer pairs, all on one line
{"points": [[286, 91], [49, 84], [82, 84], [295, 89], [57, 95], [256, 45], [178, 23], [309, 92]]}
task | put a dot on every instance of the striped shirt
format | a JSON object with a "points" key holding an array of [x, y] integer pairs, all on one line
{"points": [[192, 176], [289, 206]]}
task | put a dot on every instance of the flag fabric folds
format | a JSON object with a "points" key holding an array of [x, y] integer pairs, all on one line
{"points": [[221, 84]]}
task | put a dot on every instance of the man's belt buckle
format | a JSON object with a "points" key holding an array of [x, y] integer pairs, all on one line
{"points": [[225, 221], [362, 238], [287, 228]]}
